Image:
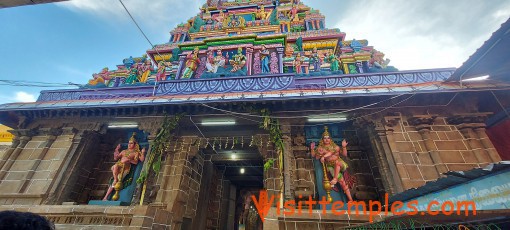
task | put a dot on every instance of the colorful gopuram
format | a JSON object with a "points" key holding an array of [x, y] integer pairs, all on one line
{"points": [[245, 38], [252, 110]]}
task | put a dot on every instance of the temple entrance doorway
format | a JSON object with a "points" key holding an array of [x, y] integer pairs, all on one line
{"points": [[233, 171], [242, 175]]}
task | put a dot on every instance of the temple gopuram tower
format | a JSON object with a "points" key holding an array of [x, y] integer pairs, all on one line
{"points": [[251, 108]]}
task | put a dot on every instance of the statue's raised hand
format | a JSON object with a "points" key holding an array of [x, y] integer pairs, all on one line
{"points": [[312, 146], [118, 148], [143, 151], [344, 143]]}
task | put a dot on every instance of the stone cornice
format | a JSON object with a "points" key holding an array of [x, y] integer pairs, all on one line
{"points": [[247, 84], [422, 121], [468, 118]]}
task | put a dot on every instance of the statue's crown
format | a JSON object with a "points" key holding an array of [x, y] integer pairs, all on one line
{"points": [[133, 137], [326, 133]]}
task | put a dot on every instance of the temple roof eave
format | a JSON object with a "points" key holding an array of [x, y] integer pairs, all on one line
{"points": [[254, 88]]}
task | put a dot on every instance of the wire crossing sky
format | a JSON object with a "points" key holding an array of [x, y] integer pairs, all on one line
{"points": [[67, 42]]}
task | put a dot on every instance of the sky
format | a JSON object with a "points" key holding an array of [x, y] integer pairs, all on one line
{"points": [[67, 42]]}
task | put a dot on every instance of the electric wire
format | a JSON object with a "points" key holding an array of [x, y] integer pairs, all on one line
{"points": [[201, 133], [307, 116], [501, 105], [141, 31]]}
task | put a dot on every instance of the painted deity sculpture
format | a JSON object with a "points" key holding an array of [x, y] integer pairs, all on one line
{"points": [[125, 160], [161, 73], [261, 13], [331, 58], [315, 60], [133, 76], [264, 58], [298, 61], [192, 63], [238, 61], [144, 70], [293, 13], [220, 17], [214, 62], [100, 77], [329, 154]]}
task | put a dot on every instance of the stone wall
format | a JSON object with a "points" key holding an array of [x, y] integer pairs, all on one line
{"points": [[179, 183], [32, 170], [425, 146]]}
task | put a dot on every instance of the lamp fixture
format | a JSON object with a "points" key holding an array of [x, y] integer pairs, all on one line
{"points": [[480, 78], [327, 118], [241, 171], [217, 122], [122, 125]]}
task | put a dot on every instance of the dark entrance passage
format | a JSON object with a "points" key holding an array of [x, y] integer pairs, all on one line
{"points": [[243, 171], [232, 172]]}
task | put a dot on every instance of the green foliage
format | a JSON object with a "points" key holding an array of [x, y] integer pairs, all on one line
{"points": [[273, 126], [273, 19], [299, 44], [175, 54], [196, 25], [269, 163], [159, 146]]}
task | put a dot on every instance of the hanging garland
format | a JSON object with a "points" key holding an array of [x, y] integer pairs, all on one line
{"points": [[159, 146]]}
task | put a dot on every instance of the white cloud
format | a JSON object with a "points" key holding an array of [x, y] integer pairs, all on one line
{"points": [[156, 17], [414, 34], [24, 97], [419, 34]]}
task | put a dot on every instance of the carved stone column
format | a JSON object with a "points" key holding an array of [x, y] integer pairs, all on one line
{"points": [[272, 176], [390, 123], [288, 160], [280, 51], [152, 127], [24, 136], [10, 150], [174, 193], [62, 182], [487, 144], [52, 135], [386, 160], [423, 126], [466, 124]]}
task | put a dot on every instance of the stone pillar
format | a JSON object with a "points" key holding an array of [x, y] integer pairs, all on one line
{"points": [[389, 123], [62, 183], [473, 142], [225, 200], [280, 51], [423, 126], [477, 141], [51, 136], [10, 150], [24, 136], [385, 159], [200, 221], [231, 207], [487, 144], [273, 180], [152, 127], [249, 60], [177, 192], [288, 160], [182, 58]]}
